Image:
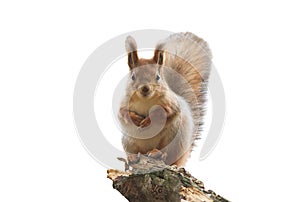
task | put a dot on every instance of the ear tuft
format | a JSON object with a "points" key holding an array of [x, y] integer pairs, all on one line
{"points": [[159, 57], [131, 49], [130, 44]]}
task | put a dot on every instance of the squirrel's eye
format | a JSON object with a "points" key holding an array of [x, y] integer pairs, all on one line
{"points": [[133, 77], [157, 77]]}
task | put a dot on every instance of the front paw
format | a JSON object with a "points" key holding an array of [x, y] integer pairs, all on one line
{"points": [[146, 122], [135, 118]]}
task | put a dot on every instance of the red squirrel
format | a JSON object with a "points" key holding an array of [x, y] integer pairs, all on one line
{"points": [[164, 104]]}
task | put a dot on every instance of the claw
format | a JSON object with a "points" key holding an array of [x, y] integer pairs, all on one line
{"points": [[146, 122], [133, 158], [157, 154]]}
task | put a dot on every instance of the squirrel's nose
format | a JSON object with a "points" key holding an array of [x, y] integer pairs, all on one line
{"points": [[145, 89]]}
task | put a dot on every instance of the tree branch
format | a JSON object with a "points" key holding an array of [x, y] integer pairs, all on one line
{"points": [[151, 180]]}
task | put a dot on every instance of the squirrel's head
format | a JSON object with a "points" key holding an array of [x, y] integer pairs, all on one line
{"points": [[146, 79]]}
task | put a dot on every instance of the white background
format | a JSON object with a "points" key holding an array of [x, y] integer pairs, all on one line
{"points": [[44, 44]]}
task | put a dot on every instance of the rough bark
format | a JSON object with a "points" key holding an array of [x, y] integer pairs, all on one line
{"points": [[151, 180]]}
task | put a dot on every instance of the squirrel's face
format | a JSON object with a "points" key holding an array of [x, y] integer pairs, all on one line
{"points": [[146, 81]]}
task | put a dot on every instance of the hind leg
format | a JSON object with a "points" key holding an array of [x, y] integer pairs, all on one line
{"points": [[182, 160]]}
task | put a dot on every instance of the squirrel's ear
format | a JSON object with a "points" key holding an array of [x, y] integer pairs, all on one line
{"points": [[159, 57], [131, 49]]}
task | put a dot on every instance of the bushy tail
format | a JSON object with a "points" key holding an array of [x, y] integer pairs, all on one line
{"points": [[188, 61]]}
